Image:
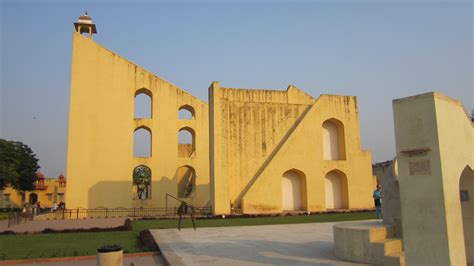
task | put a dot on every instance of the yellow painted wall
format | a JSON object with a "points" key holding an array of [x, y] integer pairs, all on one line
{"points": [[432, 222], [53, 193], [245, 140], [101, 129], [258, 135]]}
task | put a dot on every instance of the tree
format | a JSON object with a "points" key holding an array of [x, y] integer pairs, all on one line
{"points": [[18, 166]]}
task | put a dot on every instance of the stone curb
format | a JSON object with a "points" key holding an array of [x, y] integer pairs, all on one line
{"points": [[167, 253], [77, 258]]}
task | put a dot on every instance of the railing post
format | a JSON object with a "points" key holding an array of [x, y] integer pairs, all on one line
{"points": [[70, 212], [63, 214], [106, 211], [77, 213]]}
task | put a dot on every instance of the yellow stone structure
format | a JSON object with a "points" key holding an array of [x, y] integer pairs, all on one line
{"points": [[435, 156], [251, 151], [268, 147], [46, 192], [433, 176]]}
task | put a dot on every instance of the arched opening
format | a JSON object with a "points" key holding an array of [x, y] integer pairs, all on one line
{"points": [[142, 142], [336, 190], [33, 199], [143, 104], [293, 190], [186, 112], [142, 182], [466, 188], [334, 146], [186, 142], [186, 181]]}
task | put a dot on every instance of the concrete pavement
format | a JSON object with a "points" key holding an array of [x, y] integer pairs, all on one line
{"points": [[292, 244]]}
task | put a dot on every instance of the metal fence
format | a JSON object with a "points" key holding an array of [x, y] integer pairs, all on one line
{"points": [[17, 218], [117, 212]]}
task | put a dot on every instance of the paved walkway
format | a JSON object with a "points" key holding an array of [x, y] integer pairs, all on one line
{"points": [[292, 244], [38, 226]]}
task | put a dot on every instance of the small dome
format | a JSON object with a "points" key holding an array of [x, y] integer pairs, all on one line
{"points": [[85, 17], [40, 175], [85, 24]]}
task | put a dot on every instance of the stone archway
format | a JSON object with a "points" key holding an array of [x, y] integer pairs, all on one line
{"points": [[186, 176], [293, 185], [33, 198], [143, 104], [142, 182], [336, 190], [334, 147], [186, 142]]}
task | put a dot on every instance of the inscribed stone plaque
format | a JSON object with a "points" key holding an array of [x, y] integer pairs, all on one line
{"points": [[419, 167]]}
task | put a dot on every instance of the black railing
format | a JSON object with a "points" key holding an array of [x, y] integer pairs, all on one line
{"points": [[168, 212], [19, 217], [23, 216]]}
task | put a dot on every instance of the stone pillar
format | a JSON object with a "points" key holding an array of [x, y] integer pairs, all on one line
{"points": [[434, 142]]}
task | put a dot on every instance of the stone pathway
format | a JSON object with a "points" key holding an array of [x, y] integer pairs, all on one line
{"points": [[38, 226], [292, 244]]}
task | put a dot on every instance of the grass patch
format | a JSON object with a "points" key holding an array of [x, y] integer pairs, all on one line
{"points": [[24, 246], [3, 215], [320, 218]]}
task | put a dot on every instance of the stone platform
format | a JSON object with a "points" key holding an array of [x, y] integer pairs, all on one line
{"points": [[368, 242], [292, 244]]}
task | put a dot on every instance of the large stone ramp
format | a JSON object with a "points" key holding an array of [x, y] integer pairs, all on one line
{"points": [[272, 154]]}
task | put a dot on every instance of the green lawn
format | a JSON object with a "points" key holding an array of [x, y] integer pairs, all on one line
{"points": [[80, 244], [3, 215]]}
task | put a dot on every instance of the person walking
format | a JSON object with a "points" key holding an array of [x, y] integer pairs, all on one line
{"points": [[23, 211], [377, 195]]}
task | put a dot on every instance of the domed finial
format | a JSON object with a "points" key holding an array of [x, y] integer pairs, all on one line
{"points": [[85, 25]]}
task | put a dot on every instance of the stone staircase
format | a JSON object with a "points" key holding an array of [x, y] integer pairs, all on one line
{"points": [[387, 251], [368, 242]]}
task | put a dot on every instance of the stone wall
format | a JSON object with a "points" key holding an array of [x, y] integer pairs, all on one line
{"points": [[385, 174]]}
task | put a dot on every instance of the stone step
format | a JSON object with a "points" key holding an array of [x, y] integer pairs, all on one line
{"points": [[395, 259], [383, 247], [380, 233], [367, 242]]}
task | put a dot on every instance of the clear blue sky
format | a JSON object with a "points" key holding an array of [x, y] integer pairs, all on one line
{"points": [[376, 50]]}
